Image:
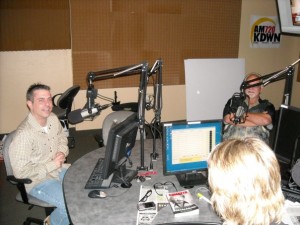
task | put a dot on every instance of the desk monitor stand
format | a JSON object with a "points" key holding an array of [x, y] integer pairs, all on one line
{"points": [[124, 177], [189, 180]]}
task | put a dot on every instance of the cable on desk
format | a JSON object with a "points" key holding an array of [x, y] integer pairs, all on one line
{"points": [[116, 186], [199, 194]]}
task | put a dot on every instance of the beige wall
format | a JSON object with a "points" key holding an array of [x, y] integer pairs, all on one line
{"points": [[20, 69], [265, 60]]}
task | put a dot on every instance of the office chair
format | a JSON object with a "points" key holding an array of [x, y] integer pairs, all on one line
{"points": [[62, 107], [111, 120], [121, 112], [23, 196]]}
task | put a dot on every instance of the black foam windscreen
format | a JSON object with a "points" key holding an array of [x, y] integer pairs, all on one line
{"points": [[75, 117]]}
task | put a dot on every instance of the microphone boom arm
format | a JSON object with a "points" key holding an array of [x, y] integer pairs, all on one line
{"points": [[112, 73], [141, 69], [287, 74], [238, 99], [157, 106]]}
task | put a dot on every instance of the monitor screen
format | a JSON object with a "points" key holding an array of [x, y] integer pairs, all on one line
{"points": [[289, 16], [121, 140], [286, 147], [186, 147]]}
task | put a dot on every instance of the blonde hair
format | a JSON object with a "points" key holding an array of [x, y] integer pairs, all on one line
{"points": [[244, 177]]}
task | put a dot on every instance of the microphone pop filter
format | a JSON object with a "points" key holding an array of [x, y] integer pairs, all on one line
{"points": [[75, 116]]}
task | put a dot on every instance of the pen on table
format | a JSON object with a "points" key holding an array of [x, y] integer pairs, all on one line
{"points": [[201, 196]]}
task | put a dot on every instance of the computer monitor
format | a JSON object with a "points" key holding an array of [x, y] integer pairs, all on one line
{"points": [[286, 142], [121, 140], [186, 147]]}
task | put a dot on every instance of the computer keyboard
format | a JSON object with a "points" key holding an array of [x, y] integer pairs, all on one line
{"points": [[291, 195], [96, 181]]}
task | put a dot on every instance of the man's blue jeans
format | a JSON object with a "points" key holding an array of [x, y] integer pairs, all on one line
{"points": [[51, 191]]}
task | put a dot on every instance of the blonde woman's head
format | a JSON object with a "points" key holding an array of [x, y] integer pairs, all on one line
{"points": [[244, 177]]}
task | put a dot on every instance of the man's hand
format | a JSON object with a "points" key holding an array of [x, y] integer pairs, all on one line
{"points": [[59, 159], [228, 119], [251, 120]]}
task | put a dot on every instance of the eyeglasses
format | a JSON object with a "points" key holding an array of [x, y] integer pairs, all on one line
{"points": [[145, 197], [163, 186]]}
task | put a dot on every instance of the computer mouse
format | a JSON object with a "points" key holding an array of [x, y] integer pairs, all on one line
{"points": [[97, 194]]}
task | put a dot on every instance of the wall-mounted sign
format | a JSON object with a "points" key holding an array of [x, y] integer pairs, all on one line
{"points": [[264, 32]]}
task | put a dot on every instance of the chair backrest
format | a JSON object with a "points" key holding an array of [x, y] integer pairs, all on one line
{"points": [[113, 119], [6, 145], [22, 196], [66, 99]]}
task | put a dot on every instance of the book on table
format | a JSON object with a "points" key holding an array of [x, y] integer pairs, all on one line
{"points": [[182, 203]]}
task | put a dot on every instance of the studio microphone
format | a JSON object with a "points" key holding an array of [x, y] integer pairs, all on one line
{"points": [[240, 114], [238, 108], [78, 115]]}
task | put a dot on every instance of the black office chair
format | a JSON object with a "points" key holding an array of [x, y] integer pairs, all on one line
{"points": [[23, 196], [62, 107]]}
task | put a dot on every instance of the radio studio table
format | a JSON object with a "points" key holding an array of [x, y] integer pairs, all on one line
{"points": [[120, 207]]}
